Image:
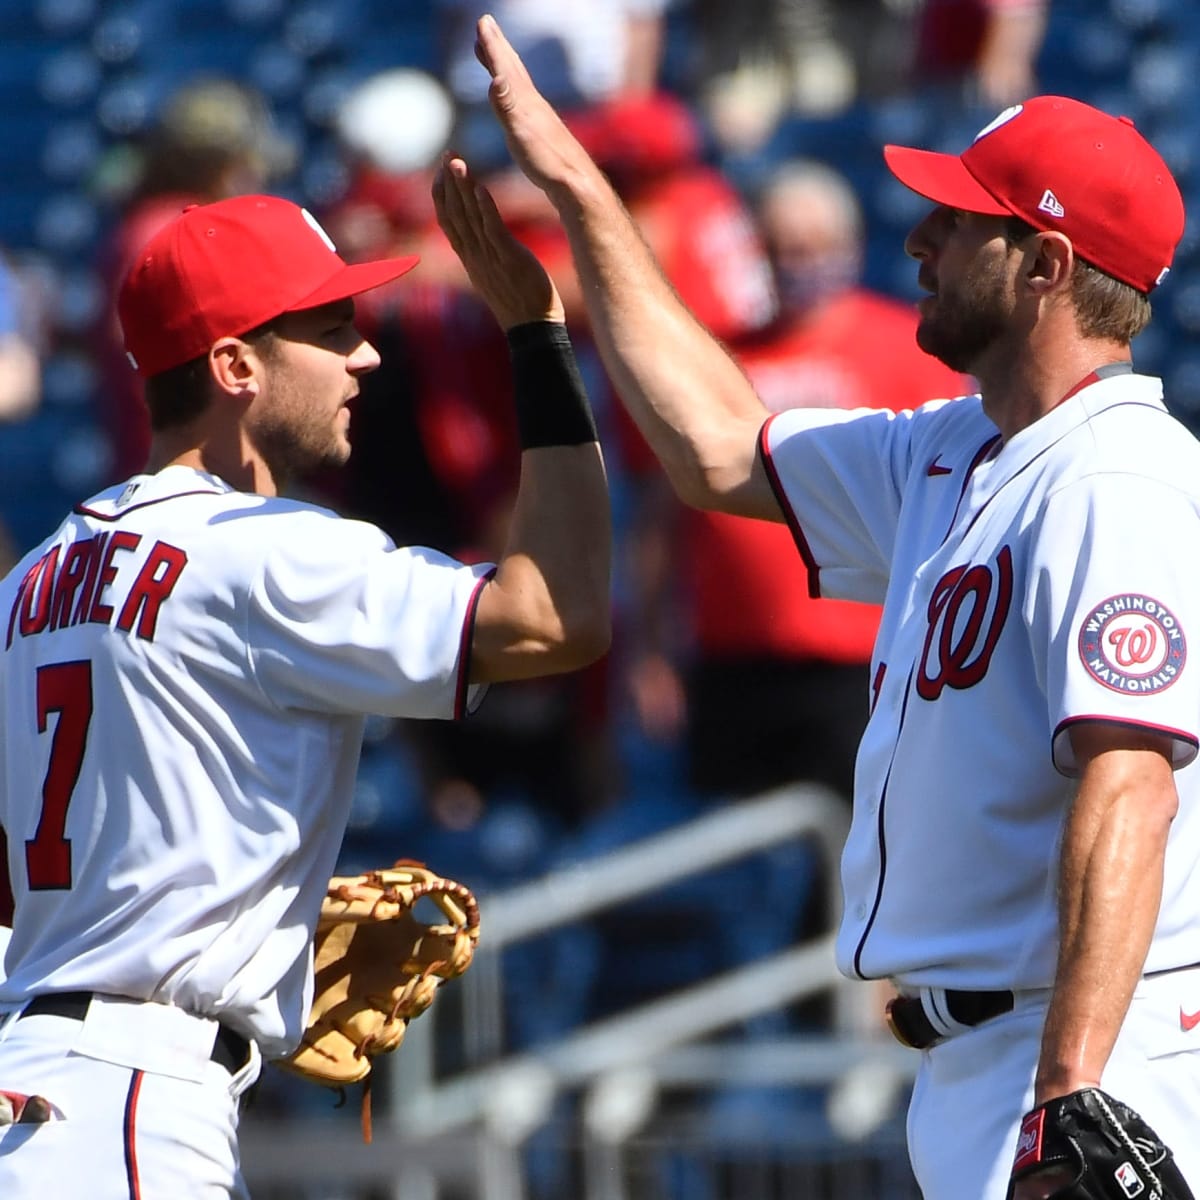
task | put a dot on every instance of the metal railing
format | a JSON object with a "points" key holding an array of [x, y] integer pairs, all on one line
{"points": [[620, 1066]]}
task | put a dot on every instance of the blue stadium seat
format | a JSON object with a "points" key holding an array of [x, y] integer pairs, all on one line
{"points": [[317, 30], [1162, 77], [1174, 137], [67, 223], [119, 37], [24, 144], [68, 150], [686, 932], [68, 380], [904, 120], [325, 90], [254, 14], [1139, 15], [31, 502], [1182, 381], [81, 460], [549, 985], [20, 203], [1082, 50], [407, 34], [893, 206], [842, 140], [1182, 300], [277, 71], [128, 101], [56, 18], [1152, 347], [387, 804], [22, 62]]}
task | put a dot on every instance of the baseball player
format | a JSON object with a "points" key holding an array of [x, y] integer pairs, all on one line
{"points": [[186, 665], [1022, 863]]}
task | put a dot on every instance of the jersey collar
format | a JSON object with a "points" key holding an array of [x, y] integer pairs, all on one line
{"points": [[167, 484], [1104, 388], [1095, 394]]}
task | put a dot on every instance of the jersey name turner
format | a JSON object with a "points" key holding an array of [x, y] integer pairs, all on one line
{"points": [[75, 584]]}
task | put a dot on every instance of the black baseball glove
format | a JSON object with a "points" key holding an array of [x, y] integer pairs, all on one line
{"points": [[1093, 1147]]}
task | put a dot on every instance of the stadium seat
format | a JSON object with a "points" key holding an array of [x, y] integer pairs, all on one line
{"points": [[1162, 77], [68, 78], [55, 18], [67, 150], [1182, 382]]}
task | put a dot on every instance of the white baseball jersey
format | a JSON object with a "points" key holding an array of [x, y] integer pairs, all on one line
{"points": [[1028, 585], [184, 674]]}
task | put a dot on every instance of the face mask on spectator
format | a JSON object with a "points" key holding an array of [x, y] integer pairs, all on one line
{"points": [[802, 289]]}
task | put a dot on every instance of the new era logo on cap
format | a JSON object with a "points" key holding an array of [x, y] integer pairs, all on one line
{"points": [[1049, 203], [1060, 164], [221, 270]]}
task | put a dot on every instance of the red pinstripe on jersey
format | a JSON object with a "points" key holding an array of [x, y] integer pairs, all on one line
{"points": [[130, 1136], [793, 522], [464, 656]]}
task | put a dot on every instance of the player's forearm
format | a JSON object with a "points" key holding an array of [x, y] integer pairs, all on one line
{"points": [[692, 403], [1109, 896], [547, 609]]}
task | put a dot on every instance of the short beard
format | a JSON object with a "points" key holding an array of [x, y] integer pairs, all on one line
{"points": [[289, 462], [968, 321], [289, 459], [291, 445]]}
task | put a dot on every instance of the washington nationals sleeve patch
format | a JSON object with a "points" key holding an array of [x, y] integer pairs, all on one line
{"points": [[1132, 644]]}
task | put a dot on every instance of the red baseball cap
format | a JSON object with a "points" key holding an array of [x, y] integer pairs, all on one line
{"points": [[639, 135], [220, 270], [1061, 164]]}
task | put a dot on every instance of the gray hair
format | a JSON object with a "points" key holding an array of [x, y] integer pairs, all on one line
{"points": [[818, 177]]}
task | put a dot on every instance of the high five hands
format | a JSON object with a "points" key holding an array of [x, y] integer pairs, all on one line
{"points": [[538, 140], [507, 276]]}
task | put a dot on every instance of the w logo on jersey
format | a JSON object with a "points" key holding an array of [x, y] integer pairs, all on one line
{"points": [[966, 612]]}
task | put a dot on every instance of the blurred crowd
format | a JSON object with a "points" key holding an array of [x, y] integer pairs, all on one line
{"points": [[725, 680]]}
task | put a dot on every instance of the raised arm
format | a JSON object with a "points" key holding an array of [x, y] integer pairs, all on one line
{"points": [[691, 401], [547, 607]]}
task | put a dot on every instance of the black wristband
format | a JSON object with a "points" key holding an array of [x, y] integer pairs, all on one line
{"points": [[548, 392]]}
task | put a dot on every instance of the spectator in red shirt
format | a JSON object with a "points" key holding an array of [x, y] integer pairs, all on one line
{"points": [[694, 219]]}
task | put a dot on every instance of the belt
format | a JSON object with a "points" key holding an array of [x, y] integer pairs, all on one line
{"points": [[230, 1050], [910, 1025]]}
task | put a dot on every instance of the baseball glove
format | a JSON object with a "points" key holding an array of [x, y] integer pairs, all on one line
{"points": [[1095, 1148], [377, 966]]}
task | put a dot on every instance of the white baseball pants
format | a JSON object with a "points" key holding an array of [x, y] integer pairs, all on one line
{"points": [[972, 1089], [140, 1110]]}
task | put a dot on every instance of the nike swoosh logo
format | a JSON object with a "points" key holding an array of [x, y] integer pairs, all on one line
{"points": [[936, 468], [1188, 1021]]}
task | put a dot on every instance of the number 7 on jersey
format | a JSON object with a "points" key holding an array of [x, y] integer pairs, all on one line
{"points": [[66, 689]]}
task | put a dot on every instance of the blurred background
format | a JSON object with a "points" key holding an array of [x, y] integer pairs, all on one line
{"points": [[653, 1012]]}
